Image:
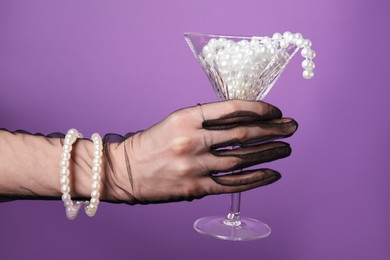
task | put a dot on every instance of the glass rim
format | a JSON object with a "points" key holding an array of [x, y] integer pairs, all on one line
{"points": [[212, 35]]}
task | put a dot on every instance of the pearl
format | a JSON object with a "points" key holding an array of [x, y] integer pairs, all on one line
{"points": [[308, 74], [95, 185], [254, 43], [68, 203], [65, 189], [64, 163], [308, 65], [249, 53], [299, 42], [72, 131], [305, 52], [212, 41], [97, 161], [64, 172], [283, 44], [221, 40], [306, 43], [65, 155], [95, 137], [91, 207], [206, 49], [95, 194], [70, 209], [67, 147], [272, 50], [64, 180], [94, 201], [277, 36], [97, 153], [243, 42], [297, 36], [96, 169], [312, 54], [264, 39], [228, 44], [65, 197], [91, 211], [209, 56], [71, 212], [68, 141], [287, 35]]}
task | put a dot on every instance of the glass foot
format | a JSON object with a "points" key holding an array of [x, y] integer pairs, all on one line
{"points": [[222, 228]]}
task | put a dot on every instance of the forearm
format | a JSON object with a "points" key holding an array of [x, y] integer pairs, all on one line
{"points": [[180, 158], [29, 167]]}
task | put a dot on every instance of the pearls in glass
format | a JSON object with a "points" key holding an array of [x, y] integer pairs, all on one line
{"points": [[72, 208], [251, 56]]}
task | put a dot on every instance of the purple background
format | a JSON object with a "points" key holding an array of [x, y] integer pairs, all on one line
{"points": [[118, 66]]}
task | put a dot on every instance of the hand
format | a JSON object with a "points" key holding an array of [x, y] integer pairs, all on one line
{"points": [[187, 155]]}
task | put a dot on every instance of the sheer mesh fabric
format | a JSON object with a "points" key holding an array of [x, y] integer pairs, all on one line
{"points": [[249, 152]]}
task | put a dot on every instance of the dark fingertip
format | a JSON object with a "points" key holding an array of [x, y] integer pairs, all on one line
{"points": [[275, 112], [284, 150], [278, 151], [267, 177], [294, 125], [272, 177], [259, 177]]}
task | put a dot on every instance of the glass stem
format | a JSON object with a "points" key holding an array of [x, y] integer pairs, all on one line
{"points": [[234, 218]]}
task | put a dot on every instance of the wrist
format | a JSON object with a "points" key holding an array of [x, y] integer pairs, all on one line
{"points": [[116, 167]]}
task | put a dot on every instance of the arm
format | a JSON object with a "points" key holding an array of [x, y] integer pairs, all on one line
{"points": [[180, 158], [29, 167]]}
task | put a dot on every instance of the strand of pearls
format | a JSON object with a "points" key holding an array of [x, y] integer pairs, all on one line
{"points": [[72, 208], [306, 52], [91, 209]]}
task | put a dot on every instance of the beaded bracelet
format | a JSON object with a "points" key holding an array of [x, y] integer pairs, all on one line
{"points": [[72, 208], [91, 208]]}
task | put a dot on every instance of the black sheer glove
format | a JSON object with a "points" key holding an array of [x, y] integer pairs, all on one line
{"points": [[189, 154]]}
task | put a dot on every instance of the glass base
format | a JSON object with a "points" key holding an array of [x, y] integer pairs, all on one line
{"points": [[222, 228]]}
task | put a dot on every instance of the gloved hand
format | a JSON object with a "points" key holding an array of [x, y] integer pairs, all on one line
{"points": [[190, 153]]}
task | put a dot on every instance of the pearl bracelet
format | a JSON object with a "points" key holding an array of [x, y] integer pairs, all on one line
{"points": [[72, 208], [96, 170]]}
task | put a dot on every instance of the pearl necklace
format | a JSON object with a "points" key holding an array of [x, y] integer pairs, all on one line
{"points": [[245, 59], [307, 53], [72, 208]]}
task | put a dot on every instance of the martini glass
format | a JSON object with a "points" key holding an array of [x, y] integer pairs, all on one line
{"points": [[238, 68]]}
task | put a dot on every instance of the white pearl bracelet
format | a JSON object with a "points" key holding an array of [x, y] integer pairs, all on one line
{"points": [[72, 208], [96, 170]]}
